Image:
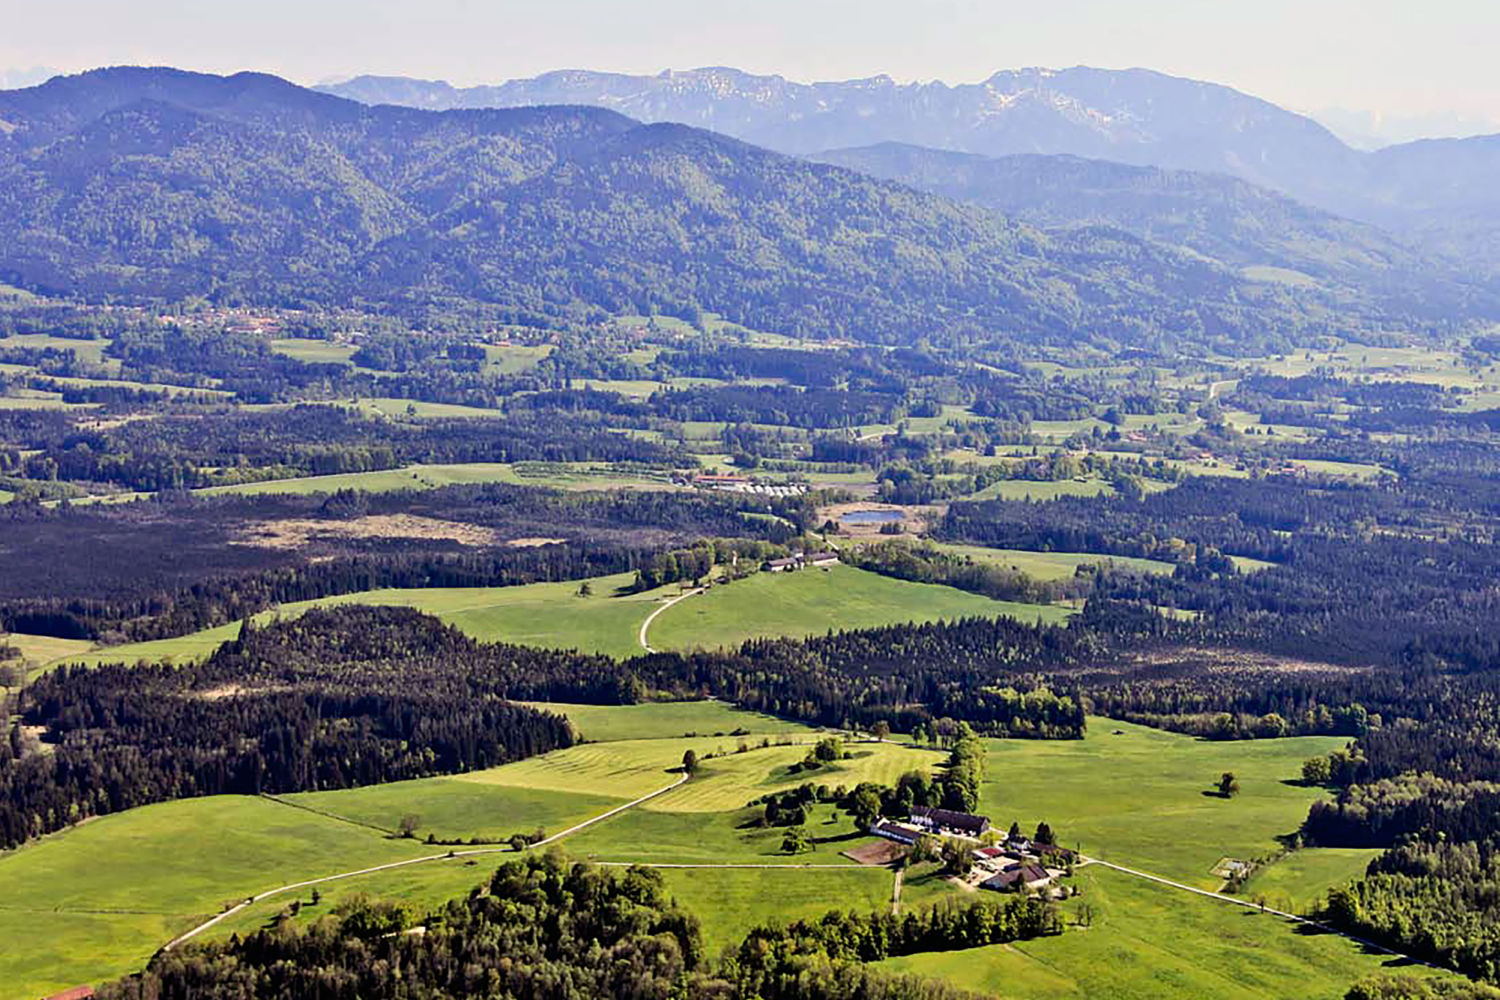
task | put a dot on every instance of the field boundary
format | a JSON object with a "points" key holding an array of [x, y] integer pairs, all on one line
{"points": [[1251, 905], [193, 932], [326, 814]]}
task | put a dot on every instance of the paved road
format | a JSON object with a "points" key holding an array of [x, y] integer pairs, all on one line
{"points": [[652, 616], [1247, 904], [194, 932]]}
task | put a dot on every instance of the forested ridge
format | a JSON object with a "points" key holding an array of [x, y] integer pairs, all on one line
{"points": [[555, 215], [179, 563], [356, 695]]}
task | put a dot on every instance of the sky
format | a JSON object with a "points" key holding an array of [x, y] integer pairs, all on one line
{"points": [[1388, 58]]}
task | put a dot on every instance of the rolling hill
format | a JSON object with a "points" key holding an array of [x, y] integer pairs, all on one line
{"points": [[1219, 216], [1424, 190], [162, 184]]}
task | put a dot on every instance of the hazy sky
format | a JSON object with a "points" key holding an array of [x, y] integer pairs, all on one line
{"points": [[1400, 57]]}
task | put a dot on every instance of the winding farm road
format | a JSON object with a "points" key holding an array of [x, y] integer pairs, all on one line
{"points": [[446, 855], [665, 605]]}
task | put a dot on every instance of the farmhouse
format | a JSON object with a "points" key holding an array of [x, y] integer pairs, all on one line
{"points": [[1018, 877], [76, 993], [1052, 853], [899, 832], [798, 560], [947, 821]]}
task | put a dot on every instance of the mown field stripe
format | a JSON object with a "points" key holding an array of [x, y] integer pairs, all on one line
{"points": [[446, 855]]}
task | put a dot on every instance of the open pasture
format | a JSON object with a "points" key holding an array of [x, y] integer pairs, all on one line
{"points": [[313, 351], [608, 621], [1142, 797], [452, 808], [730, 902], [89, 351], [1054, 565], [667, 720], [95, 901], [1026, 489], [1151, 942], [1301, 880], [540, 614], [815, 601]]}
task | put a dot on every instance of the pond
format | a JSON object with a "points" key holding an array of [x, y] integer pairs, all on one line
{"points": [[871, 516]]}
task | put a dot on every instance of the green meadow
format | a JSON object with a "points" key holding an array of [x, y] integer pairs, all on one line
{"points": [[1300, 880], [608, 620], [1140, 797], [540, 614], [97, 900], [1150, 942], [813, 601], [555, 475], [1054, 565], [1025, 489], [666, 719]]}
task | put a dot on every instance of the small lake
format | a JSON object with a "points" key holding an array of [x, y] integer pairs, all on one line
{"points": [[871, 516]]}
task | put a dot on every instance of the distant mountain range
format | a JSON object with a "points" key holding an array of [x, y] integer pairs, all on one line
{"points": [[162, 184], [1424, 190], [1215, 215]]}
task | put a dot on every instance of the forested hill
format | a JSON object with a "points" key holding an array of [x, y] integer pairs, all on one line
{"points": [[1438, 193], [161, 184], [1219, 216]]}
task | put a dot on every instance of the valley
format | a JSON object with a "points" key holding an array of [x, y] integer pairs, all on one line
{"points": [[707, 535]]}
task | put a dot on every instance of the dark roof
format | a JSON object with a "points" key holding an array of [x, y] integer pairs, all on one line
{"points": [[885, 828], [952, 820], [1022, 874]]}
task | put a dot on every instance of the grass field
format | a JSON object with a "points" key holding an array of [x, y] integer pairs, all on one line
{"points": [[512, 359], [1025, 489], [40, 401], [324, 352], [90, 351], [1149, 942], [539, 614], [1138, 798], [37, 650], [457, 808], [1301, 879], [556, 475], [1053, 565], [96, 901], [554, 616], [666, 719], [814, 601], [731, 902]]}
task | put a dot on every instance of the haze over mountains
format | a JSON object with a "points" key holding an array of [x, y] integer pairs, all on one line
{"points": [[162, 184], [1424, 190]]}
